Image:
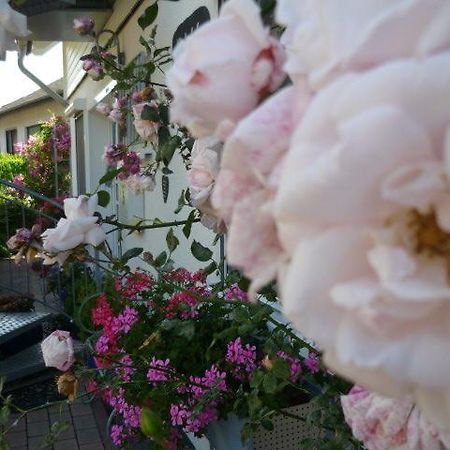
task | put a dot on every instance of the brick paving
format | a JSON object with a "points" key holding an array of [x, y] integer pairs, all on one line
{"points": [[86, 428]]}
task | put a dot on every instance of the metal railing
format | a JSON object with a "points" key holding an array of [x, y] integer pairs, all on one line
{"points": [[50, 287]]}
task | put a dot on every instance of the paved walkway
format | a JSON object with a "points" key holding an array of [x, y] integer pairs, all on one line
{"points": [[86, 431]]}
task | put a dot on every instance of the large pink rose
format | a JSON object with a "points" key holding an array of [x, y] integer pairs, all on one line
{"points": [[250, 168], [382, 423], [222, 70], [325, 38], [146, 129], [205, 164], [363, 211], [57, 350], [79, 227]]}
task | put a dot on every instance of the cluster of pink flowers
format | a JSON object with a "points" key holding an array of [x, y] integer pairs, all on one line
{"points": [[112, 326], [242, 358], [130, 414], [132, 284], [157, 376], [312, 362], [181, 305], [182, 414], [125, 369], [234, 292], [183, 275], [94, 69], [119, 156], [115, 112]]}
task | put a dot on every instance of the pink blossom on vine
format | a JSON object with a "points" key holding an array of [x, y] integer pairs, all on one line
{"points": [[312, 362], [125, 370], [242, 358], [127, 318], [181, 305], [130, 165], [157, 376], [116, 434], [234, 292], [113, 154]]}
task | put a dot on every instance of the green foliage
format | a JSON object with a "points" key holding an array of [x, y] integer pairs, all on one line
{"points": [[11, 165], [149, 16]]}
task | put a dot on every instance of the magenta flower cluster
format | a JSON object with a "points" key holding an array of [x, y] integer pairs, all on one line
{"points": [[125, 369], [184, 415], [157, 376], [242, 358], [234, 292], [130, 414]]}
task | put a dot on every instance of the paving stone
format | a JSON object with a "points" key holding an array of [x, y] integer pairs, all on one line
{"points": [[40, 415], [70, 444], [92, 447], [19, 426], [80, 409], [57, 409], [17, 439], [35, 443], [83, 422], [67, 434], [88, 436], [38, 429]]}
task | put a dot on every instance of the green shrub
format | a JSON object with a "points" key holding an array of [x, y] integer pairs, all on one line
{"points": [[11, 165]]}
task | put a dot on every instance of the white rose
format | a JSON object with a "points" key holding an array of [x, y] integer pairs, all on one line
{"points": [[222, 70], [325, 38], [363, 210]]}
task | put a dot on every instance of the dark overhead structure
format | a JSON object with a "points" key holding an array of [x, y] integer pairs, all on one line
{"points": [[52, 20]]}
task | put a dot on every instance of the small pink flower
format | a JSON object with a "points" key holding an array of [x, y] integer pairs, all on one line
{"points": [[83, 25]]}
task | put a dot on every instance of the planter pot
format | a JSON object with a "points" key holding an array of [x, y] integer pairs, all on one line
{"points": [[226, 434]]}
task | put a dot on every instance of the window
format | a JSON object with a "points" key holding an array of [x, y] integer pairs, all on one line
{"points": [[33, 129], [11, 140]]}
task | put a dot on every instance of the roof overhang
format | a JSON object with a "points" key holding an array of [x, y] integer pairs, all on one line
{"points": [[53, 20]]}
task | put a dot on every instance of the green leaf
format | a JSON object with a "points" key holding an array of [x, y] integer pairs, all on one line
{"points": [[160, 259], [172, 240], [210, 268], [200, 252], [110, 175], [131, 253], [151, 424], [165, 187], [158, 51], [164, 113], [267, 424], [149, 16], [188, 225], [103, 198], [181, 203], [163, 135], [280, 369], [149, 113], [168, 149], [270, 384]]}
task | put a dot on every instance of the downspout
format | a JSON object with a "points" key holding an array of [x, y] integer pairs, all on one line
{"points": [[20, 57]]}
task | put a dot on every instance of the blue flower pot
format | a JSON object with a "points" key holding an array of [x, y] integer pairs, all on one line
{"points": [[226, 434]]}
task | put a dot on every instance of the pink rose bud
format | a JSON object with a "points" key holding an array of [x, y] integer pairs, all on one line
{"points": [[83, 25], [57, 350]]}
